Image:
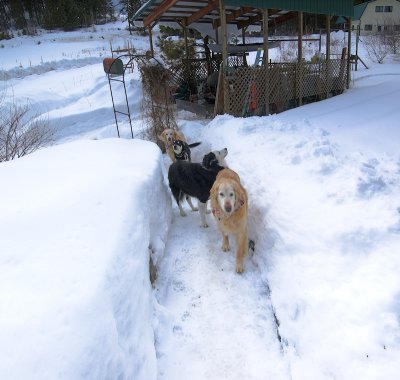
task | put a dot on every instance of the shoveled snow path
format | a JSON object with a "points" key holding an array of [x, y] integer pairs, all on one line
{"points": [[218, 324]]}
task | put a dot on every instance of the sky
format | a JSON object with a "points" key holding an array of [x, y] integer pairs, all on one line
{"points": [[81, 219]]}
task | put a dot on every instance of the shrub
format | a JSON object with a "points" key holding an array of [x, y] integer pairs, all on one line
{"points": [[5, 36], [158, 109], [21, 133], [377, 47]]}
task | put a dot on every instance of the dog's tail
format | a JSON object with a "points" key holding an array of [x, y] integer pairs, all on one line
{"points": [[194, 144]]}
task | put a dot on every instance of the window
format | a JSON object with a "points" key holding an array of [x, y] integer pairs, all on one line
{"points": [[383, 8], [368, 27]]}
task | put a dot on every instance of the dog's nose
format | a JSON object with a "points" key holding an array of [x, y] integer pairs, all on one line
{"points": [[228, 208]]}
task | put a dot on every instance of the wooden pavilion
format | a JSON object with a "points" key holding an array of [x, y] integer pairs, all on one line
{"points": [[259, 89]]}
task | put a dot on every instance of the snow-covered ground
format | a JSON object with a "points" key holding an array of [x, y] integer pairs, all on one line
{"points": [[320, 296]]}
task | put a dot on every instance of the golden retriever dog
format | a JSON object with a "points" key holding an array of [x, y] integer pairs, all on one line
{"points": [[168, 136], [228, 199]]}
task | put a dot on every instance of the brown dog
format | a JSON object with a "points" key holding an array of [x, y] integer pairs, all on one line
{"points": [[167, 137], [229, 203]]}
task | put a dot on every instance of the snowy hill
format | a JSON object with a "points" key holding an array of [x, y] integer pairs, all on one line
{"points": [[319, 298]]}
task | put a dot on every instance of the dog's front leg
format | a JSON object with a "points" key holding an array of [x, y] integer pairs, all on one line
{"points": [[241, 243], [225, 243], [202, 209]]}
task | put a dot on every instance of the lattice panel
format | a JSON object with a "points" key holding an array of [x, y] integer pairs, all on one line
{"points": [[194, 70], [248, 91], [282, 83], [338, 76]]}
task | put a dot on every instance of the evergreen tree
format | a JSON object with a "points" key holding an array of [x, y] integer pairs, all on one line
{"points": [[17, 13]]}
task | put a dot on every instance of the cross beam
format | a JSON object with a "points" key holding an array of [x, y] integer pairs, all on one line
{"points": [[162, 8], [199, 14]]}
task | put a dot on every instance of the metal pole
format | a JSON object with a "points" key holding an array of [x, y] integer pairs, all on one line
{"points": [[112, 98]]}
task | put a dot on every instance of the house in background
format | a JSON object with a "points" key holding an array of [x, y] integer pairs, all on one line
{"points": [[375, 16]]}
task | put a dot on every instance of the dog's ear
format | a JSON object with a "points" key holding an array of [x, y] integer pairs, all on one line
{"points": [[161, 136], [240, 195], [209, 160], [214, 196]]}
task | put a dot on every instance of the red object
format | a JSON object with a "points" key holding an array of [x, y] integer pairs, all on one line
{"points": [[253, 96]]}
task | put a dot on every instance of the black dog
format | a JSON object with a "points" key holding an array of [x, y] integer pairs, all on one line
{"points": [[182, 150], [196, 180]]}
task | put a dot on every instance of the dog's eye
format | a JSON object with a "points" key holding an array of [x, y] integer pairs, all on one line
{"points": [[221, 194], [231, 194]]}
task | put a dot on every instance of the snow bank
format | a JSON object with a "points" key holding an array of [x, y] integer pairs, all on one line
{"points": [[326, 226], [76, 224]]}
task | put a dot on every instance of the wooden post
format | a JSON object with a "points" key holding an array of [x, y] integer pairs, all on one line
{"points": [[328, 37], [224, 63], [187, 64], [151, 42], [265, 30], [265, 59], [186, 42], [300, 58], [224, 39], [348, 55], [357, 40], [244, 42], [328, 55], [300, 36]]}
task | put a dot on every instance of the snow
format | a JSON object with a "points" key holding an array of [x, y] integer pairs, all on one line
{"points": [[320, 295], [76, 225]]}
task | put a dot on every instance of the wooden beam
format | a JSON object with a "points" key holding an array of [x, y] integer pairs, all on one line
{"points": [[253, 19], [156, 13], [234, 15], [202, 12]]}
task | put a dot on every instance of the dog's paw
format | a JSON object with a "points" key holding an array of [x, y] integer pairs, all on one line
{"points": [[183, 213], [195, 209], [226, 247], [239, 268]]}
